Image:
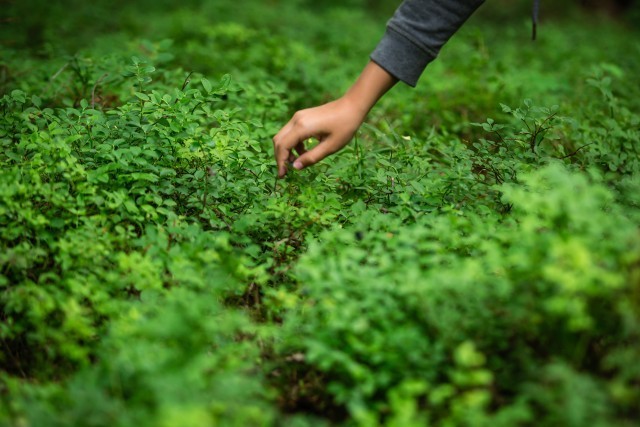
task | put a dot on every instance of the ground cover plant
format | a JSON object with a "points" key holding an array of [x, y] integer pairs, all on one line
{"points": [[471, 258]]}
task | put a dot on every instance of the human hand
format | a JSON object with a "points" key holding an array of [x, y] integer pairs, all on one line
{"points": [[332, 124]]}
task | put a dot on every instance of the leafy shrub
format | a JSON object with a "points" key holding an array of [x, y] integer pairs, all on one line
{"points": [[186, 366], [459, 314]]}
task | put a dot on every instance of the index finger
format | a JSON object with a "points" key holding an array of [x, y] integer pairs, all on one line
{"points": [[289, 137], [280, 152], [283, 144]]}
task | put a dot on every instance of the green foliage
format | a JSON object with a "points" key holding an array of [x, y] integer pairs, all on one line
{"points": [[175, 333], [471, 258], [468, 308]]}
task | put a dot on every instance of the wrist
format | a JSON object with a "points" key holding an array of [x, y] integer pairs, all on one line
{"points": [[373, 83], [355, 105]]}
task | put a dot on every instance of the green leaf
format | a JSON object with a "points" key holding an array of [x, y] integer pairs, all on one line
{"points": [[18, 96], [206, 84], [142, 96], [131, 206], [145, 177], [225, 81]]}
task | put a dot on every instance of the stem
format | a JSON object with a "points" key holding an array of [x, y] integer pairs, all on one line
{"points": [[93, 91], [358, 154]]}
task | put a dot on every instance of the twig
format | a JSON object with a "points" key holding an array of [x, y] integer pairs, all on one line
{"points": [[52, 78], [186, 81], [59, 71], [252, 172], [222, 217], [93, 91], [575, 152]]}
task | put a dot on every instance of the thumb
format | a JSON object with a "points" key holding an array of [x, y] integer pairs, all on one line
{"points": [[317, 153]]}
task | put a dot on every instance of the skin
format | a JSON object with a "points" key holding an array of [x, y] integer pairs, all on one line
{"points": [[333, 124]]}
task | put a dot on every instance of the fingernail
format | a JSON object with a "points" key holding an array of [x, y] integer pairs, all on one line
{"points": [[297, 165]]}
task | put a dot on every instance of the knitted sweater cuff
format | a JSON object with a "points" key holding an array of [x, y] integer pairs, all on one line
{"points": [[400, 57]]}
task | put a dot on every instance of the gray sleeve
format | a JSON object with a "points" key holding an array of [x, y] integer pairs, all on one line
{"points": [[416, 32]]}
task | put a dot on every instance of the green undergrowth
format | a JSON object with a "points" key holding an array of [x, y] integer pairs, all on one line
{"points": [[472, 258]]}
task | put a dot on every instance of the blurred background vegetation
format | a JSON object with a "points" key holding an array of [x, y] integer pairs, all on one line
{"points": [[317, 48], [298, 39], [75, 23]]}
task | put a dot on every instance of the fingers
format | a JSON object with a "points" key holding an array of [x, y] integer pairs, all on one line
{"points": [[283, 144], [282, 155], [285, 130], [280, 150], [300, 149], [291, 136], [332, 126], [317, 153]]}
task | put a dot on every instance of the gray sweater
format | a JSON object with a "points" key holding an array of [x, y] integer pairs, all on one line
{"points": [[416, 32]]}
